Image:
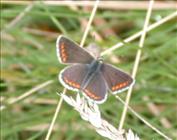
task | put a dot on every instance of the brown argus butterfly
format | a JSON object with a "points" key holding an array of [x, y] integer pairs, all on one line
{"points": [[91, 76]]}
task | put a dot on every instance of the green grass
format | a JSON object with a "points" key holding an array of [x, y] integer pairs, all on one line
{"points": [[31, 59]]}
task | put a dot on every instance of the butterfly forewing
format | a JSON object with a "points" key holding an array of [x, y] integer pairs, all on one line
{"points": [[70, 52], [116, 79], [96, 89], [72, 76]]}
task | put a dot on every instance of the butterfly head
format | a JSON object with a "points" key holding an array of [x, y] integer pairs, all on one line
{"points": [[100, 59]]}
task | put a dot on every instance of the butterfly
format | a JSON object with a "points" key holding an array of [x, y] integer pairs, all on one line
{"points": [[87, 74]]}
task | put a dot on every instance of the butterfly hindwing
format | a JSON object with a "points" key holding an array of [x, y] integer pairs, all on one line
{"points": [[96, 89], [72, 76], [116, 79], [70, 52]]}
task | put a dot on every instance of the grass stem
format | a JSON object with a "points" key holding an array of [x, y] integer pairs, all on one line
{"points": [[89, 23], [143, 120], [137, 60], [112, 5], [28, 93], [19, 17], [55, 117], [138, 34], [65, 90]]}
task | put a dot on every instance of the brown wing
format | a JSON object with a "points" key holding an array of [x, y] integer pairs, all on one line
{"points": [[72, 76], [70, 52], [96, 89], [116, 79]]}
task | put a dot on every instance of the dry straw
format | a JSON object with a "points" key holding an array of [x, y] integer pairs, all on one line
{"points": [[65, 90], [137, 60], [111, 4], [90, 112], [135, 69], [26, 94], [19, 17]]}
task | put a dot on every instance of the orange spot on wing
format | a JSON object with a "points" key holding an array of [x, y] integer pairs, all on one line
{"points": [[119, 86], [63, 53], [91, 94], [71, 83], [76, 85], [62, 45], [64, 59]]}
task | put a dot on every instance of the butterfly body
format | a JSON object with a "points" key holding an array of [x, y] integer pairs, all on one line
{"points": [[93, 69], [91, 76]]}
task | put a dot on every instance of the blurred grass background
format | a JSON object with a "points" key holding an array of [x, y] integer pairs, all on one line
{"points": [[28, 58]]}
